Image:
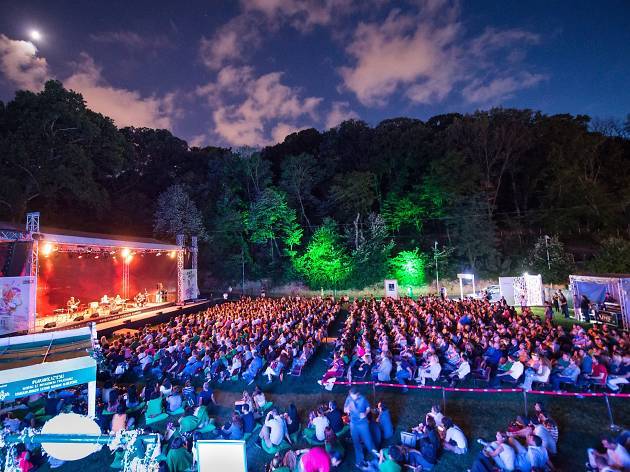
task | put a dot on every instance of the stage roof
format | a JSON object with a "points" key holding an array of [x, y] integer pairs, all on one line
{"points": [[52, 346], [76, 238]]}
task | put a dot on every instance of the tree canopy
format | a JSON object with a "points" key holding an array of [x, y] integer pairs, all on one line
{"points": [[344, 202]]}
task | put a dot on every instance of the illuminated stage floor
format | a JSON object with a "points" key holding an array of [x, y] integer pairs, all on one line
{"points": [[155, 313]]}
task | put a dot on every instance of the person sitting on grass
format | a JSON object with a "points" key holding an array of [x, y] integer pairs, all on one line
{"points": [[428, 443], [319, 424], [292, 420], [232, 430], [335, 417], [454, 439], [260, 401], [532, 457], [274, 429], [495, 454], [615, 457], [390, 459], [247, 417]]}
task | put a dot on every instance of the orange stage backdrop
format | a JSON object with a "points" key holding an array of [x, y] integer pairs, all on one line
{"points": [[62, 275]]}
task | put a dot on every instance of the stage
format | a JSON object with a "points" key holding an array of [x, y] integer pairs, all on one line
{"points": [[60, 279], [157, 313]]}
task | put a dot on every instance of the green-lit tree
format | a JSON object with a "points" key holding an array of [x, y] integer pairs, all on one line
{"points": [[558, 266], [325, 262], [270, 219], [408, 268], [399, 211]]}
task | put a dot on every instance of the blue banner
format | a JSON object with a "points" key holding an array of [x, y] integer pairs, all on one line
{"points": [[23, 388]]}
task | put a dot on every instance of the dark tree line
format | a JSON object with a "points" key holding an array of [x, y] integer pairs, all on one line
{"points": [[486, 186]]}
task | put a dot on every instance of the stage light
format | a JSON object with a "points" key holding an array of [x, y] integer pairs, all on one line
{"points": [[96, 257], [159, 254], [172, 254], [80, 256], [125, 253], [47, 249], [128, 258]]}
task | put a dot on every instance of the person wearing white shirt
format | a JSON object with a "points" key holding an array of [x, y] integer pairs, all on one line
{"points": [[616, 455], [273, 430], [454, 440], [436, 413], [548, 442], [320, 423], [498, 451]]}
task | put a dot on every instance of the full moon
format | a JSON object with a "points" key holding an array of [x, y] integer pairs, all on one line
{"points": [[35, 35]]}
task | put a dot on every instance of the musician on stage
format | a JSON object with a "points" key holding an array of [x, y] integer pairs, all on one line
{"points": [[73, 304], [140, 299], [609, 298], [105, 300], [118, 301]]}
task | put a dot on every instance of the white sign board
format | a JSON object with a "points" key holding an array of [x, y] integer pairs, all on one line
{"points": [[391, 289], [221, 455], [17, 304], [526, 290]]}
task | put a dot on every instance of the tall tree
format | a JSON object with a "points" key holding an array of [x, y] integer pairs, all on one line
{"points": [[325, 262], [56, 156], [176, 213], [549, 258], [299, 175], [270, 219], [371, 255], [473, 232]]}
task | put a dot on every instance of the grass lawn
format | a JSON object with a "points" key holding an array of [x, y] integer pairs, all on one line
{"points": [[581, 421]]}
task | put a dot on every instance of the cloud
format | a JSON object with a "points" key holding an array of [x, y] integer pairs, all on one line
{"points": [[235, 41], [230, 43], [339, 112], [254, 111], [132, 40], [303, 15], [125, 107], [427, 55], [282, 130], [20, 64], [199, 140], [500, 88]]}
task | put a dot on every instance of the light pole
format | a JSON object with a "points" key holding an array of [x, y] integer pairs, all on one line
{"points": [[437, 275], [243, 273], [547, 238]]}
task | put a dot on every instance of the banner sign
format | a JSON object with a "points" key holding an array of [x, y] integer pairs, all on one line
{"points": [[17, 304], [23, 388], [189, 290]]}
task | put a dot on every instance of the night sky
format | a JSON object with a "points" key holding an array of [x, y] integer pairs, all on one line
{"points": [[249, 72]]}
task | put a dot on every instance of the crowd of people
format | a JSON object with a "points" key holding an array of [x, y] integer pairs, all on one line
{"points": [[436, 338], [231, 340], [162, 378]]}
